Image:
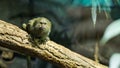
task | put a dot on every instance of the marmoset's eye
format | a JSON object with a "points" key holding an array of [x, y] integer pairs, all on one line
{"points": [[40, 22], [45, 23]]}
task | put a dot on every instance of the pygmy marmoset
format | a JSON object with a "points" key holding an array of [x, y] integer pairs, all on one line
{"points": [[39, 29]]}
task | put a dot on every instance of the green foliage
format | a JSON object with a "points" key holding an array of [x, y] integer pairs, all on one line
{"points": [[106, 4], [111, 31], [94, 11]]}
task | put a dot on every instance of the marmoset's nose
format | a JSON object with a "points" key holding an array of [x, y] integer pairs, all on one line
{"points": [[41, 28]]}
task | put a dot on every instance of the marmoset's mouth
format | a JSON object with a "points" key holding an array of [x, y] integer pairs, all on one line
{"points": [[41, 28]]}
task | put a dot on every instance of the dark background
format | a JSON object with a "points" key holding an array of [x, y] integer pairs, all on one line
{"points": [[72, 26]]}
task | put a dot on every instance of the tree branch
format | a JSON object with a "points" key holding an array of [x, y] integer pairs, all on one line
{"points": [[16, 39]]}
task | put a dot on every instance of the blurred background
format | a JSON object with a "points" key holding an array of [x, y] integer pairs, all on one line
{"points": [[74, 24]]}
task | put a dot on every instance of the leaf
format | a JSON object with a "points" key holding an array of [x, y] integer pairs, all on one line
{"points": [[111, 31], [94, 15], [118, 1], [94, 11], [115, 61]]}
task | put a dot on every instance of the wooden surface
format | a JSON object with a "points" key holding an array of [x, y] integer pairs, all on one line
{"points": [[16, 39]]}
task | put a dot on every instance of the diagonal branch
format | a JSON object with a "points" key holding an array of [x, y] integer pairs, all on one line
{"points": [[16, 39]]}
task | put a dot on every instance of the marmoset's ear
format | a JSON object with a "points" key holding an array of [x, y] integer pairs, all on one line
{"points": [[27, 27], [24, 26]]}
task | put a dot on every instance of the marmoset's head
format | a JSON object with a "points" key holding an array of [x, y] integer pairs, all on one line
{"points": [[38, 27], [41, 23]]}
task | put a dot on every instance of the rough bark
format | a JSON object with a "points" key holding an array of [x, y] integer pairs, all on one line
{"points": [[16, 39]]}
